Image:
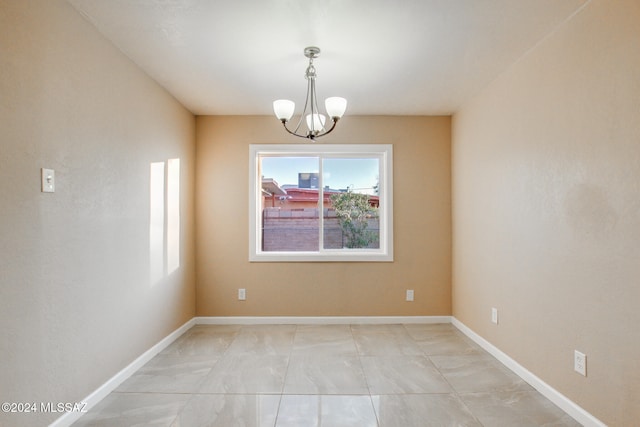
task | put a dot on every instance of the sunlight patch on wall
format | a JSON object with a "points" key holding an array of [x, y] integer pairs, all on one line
{"points": [[164, 219], [156, 222], [173, 215]]}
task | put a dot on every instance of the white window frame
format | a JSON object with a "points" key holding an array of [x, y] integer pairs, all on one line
{"points": [[384, 152]]}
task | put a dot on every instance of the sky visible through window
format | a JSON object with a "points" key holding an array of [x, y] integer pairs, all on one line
{"points": [[358, 174]]}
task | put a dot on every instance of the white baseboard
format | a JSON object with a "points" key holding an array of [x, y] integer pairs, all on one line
{"points": [[320, 320], [101, 392], [560, 400]]}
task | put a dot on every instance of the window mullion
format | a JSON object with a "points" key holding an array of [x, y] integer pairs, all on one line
{"points": [[320, 204]]}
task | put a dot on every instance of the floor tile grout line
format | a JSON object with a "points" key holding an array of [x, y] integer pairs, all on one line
{"points": [[364, 374], [286, 373], [453, 390]]}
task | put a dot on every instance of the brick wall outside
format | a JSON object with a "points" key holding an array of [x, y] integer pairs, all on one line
{"points": [[297, 229]]}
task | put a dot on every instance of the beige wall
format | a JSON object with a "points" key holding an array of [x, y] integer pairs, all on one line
{"points": [[546, 185], [422, 230], [76, 304]]}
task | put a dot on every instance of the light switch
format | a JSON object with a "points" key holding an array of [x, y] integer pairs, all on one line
{"points": [[48, 180]]}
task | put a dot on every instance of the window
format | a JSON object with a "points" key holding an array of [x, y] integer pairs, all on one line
{"points": [[316, 202]]}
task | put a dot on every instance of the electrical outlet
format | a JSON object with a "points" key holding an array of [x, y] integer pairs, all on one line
{"points": [[494, 315], [580, 363], [409, 295], [242, 294]]}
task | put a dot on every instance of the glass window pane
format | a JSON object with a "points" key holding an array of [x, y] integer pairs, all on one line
{"points": [[350, 203], [290, 220]]}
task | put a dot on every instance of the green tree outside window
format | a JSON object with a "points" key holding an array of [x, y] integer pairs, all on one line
{"points": [[353, 211]]}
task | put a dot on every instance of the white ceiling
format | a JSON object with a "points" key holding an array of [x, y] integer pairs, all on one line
{"points": [[402, 57]]}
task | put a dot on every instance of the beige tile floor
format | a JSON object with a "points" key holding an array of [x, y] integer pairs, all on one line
{"points": [[324, 375]]}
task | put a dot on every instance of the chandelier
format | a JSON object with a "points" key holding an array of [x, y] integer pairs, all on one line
{"points": [[315, 121]]}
